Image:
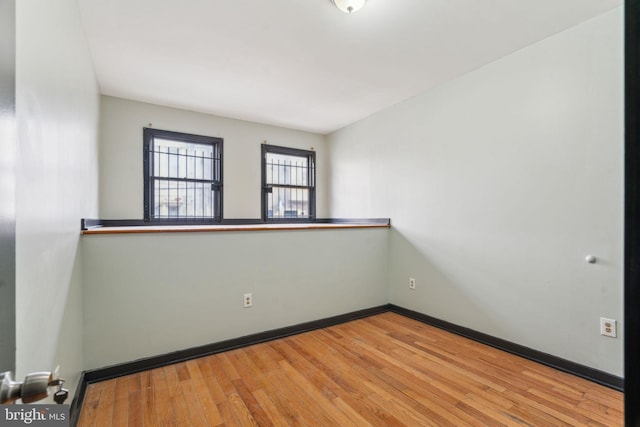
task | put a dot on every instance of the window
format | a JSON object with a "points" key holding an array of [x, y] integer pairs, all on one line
{"points": [[182, 177], [288, 184]]}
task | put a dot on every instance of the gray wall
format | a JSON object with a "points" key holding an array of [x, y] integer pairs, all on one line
{"points": [[7, 186], [57, 112], [121, 177], [499, 183], [150, 294], [146, 295]]}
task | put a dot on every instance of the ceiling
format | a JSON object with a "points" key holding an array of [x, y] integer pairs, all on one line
{"points": [[303, 64]]}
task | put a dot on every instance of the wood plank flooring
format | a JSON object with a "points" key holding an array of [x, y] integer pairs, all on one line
{"points": [[384, 370]]}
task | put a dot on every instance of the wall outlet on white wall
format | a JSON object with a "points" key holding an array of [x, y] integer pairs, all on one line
{"points": [[608, 327], [248, 301], [412, 283]]}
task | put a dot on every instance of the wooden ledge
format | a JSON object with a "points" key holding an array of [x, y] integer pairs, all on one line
{"points": [[232, 227]]}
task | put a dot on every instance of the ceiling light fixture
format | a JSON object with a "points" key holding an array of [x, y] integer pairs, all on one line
{"points": [[349, 6]]}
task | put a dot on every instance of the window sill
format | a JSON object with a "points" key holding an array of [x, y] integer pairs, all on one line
{"points": [[319, 225]]}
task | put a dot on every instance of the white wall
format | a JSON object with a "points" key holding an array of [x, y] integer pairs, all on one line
{"points": [[57, 111], [499, 183], [121, 178], [150, 294]]}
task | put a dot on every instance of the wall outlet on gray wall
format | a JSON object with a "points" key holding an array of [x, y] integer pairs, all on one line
{"points": [[248, 301], [608, 327]]}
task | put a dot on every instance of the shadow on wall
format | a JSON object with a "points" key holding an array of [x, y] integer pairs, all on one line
{"points": [[69, 352], [438, 293]]}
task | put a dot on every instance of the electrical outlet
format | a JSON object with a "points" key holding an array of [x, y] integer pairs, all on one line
{"points": [[248, 301], [412, 283], [608, 327]]}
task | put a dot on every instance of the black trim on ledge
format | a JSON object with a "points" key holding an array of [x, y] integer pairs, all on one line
{"points": [[376, 221], [555, 362], [87, 224]]}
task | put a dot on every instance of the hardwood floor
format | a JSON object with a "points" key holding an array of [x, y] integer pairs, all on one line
{"points": [[384, 370]]}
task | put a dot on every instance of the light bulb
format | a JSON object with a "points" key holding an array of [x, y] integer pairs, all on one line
{"points": [[349, 6]]}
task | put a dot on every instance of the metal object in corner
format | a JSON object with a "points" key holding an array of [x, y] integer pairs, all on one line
{"points": [[34, 387]]}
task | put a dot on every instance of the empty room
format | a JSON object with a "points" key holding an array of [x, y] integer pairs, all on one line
{"points": [[319, 212]]}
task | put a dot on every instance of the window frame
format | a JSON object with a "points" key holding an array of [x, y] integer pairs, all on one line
{"points": [[310, 155], [149, 134]]}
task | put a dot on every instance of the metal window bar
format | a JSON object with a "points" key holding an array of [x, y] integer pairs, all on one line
{"points": [[289, 194], [181, 191]]}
